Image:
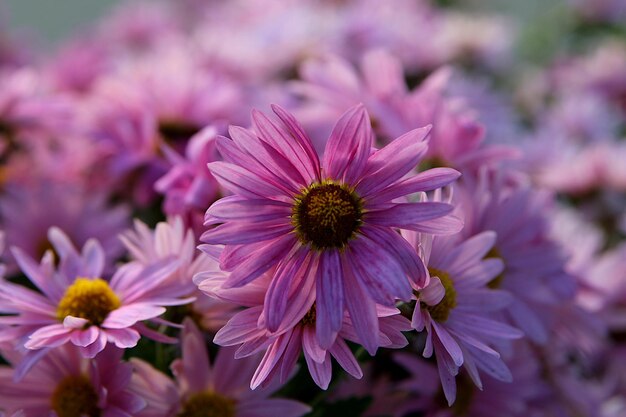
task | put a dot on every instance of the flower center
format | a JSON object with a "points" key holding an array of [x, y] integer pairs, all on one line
{"points": [[75, 396], [495, 283], [327, 215], [90, 299], [309, 317], [208, 404], [441, 310], [174, 131]]}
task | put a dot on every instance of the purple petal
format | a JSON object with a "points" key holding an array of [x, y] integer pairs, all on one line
{"points": [[237, 233], [407, 215], [243, 182], [380, 272], [329, 290], [195, 360], [85, 337], [402, 250], [127, 315], [362, 313], [250, 210], [311, 346], [123, 338], [349, 146], [278, 292], [271, 407], [392, 162], [292, 143], [424, 181], [320, 372], [448, 342], [346, 359]]}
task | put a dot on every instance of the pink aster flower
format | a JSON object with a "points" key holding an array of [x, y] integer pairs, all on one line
{"points": [[534, 265], [64, 384], [331, 224], [458, 310], [205, 389], [78, 305], [188, 186], [172, 239]]}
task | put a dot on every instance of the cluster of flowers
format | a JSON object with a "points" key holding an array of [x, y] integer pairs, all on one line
{"points": [[319, 180]]}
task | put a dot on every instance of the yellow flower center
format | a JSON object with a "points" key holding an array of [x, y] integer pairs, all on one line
{"points": [[90, 299], [75, 396], [441, 311], [208, 404], [495, 283], [327, 215]]}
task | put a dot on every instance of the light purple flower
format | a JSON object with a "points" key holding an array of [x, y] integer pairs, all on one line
{"points": [[78, 305], [215, 389], [329, 224], [65, 384], [458, 311]]}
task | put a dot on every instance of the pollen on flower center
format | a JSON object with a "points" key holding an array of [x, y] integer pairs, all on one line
{"points": [[75, 396], [90, 299], [327, 215], [208, 404], [441, 311]]}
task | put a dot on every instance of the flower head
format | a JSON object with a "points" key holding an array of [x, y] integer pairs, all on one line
{"points": [[75, 303], [330, 223]]}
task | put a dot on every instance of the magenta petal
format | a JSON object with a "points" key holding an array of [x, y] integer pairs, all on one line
{"points": [[362, 313], [123, 338], [270, 359], [349, 146], [96, 347], [297, 148], [236, 233], [264, 259], [392, 162], [346, 359], [195, 360], [85, 337], [311, 162], [243, 182], [320, 372], [49, 336], [329, 290], [402, 250], [278, 292], [446, 225], [240, 328], [311, 346], [448, 342], [408, 215], [128, 315], [424, 181], [249, 210], [380, 272], [47, 284]]}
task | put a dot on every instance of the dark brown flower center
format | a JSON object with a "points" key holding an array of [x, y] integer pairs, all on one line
{"points": [[208, 404], [75, 396], [90, 299], [327, 215], [441, 311], [310, 317]]}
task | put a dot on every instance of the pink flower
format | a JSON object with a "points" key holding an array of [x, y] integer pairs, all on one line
{"points": [[331, 225], [218, 389], [172, 239], [65, 384], [78, 305], [188, 186], [458, 310]]}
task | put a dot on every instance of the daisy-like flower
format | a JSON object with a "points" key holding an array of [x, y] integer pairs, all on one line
{"points": [[320, 221], [457, 308], [172, 239], [202, 389], [78, 305], [63, 384]]}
